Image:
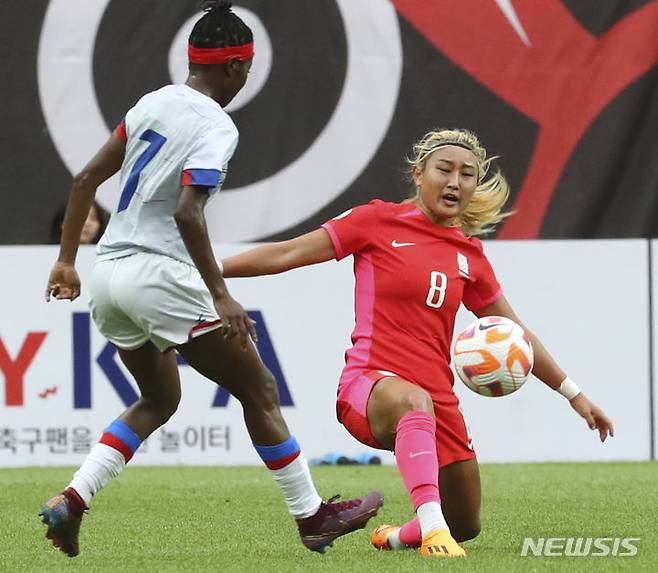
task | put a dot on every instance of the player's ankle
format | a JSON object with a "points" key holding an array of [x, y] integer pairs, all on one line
{"points": [[76, 504]]}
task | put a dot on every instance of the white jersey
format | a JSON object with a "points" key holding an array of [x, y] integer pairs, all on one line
{"points": [[174, 136]]}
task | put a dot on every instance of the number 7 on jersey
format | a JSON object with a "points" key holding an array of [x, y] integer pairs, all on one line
{"points": [[155, 141]]}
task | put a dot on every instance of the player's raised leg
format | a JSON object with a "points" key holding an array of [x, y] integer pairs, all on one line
{"points": [[156, 374], [245, 376], [401, 417]]}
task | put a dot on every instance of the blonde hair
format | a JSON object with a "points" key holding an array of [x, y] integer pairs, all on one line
{"points": [[484, 210]]}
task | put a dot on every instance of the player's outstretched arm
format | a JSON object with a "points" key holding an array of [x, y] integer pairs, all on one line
{"points": [[311, 248], [64, 282], [549, 372]]}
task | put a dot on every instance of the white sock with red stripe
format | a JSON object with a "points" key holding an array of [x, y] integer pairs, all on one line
{"points": [[106, 460], [102, 464], [290, 471]]}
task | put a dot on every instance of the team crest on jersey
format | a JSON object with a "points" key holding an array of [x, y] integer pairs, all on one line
{"points": [[462, 264]]}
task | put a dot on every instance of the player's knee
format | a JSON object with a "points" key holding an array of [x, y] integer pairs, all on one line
{"points": [[416, 400], [269, 391], [264, 395]]}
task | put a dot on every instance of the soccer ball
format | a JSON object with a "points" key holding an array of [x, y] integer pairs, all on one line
{"points": [[493, 356]]}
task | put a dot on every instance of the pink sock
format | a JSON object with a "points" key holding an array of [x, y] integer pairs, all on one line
{"points": [[416, 456], [410, 533]]}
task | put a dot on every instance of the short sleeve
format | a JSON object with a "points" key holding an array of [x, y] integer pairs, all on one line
{"points": [[352, 230], [207, 162], [484, 289], [121, 131], [126, 126]]}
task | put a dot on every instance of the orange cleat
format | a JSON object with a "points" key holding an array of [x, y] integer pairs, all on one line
{"points": [[379, 536], [440, 543]]}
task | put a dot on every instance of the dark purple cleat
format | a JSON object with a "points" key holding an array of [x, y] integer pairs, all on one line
{"points": [[335, 518], [63, 515]]}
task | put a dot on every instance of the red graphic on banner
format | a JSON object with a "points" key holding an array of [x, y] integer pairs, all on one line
{"points": [[562, 80], [14, 369], [48, 392]]}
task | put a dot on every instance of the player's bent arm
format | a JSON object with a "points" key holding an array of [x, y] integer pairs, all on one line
{"points": [[191, 223], [548, 371], [102, 166], [63, 281], [311, 248]]}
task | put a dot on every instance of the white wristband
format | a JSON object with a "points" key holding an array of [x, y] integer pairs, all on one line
{"points": [[569, 389], [221, 267]]}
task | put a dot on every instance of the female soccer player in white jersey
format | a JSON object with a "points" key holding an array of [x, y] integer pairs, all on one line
{"points": [[156, 286], [415, 262]]}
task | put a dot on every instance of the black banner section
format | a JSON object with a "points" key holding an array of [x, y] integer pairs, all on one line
{"points": [[564, 91]]}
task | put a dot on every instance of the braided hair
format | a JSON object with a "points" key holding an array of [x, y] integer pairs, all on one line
{"points": [[219, 27]]}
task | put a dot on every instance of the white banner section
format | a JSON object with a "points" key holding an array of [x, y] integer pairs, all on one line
{"points": [[588, 301], [653, 401]]}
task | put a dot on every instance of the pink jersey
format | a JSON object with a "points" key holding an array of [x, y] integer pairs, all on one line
{"points": [[411, 277]]}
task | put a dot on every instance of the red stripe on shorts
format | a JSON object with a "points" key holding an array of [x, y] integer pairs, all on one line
{"points": [[201, 326]]}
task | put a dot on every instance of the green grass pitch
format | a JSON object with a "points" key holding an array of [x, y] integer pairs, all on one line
{"points": [[233, 519]]}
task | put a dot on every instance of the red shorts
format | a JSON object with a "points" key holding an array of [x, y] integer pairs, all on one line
{"points": [[453, 439]]}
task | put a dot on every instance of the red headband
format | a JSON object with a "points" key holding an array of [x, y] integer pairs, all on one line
{"points": [[220, 55]]}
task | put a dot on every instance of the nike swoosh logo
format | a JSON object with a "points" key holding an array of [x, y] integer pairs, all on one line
{"points": [[488, 326], [416, 454], [394, 243]]}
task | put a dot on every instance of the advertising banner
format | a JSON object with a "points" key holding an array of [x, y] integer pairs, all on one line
{"points": [[63, 383]]}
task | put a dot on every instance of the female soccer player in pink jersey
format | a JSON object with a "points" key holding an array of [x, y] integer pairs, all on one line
{"points": [[156, 285], [415, 262]]}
